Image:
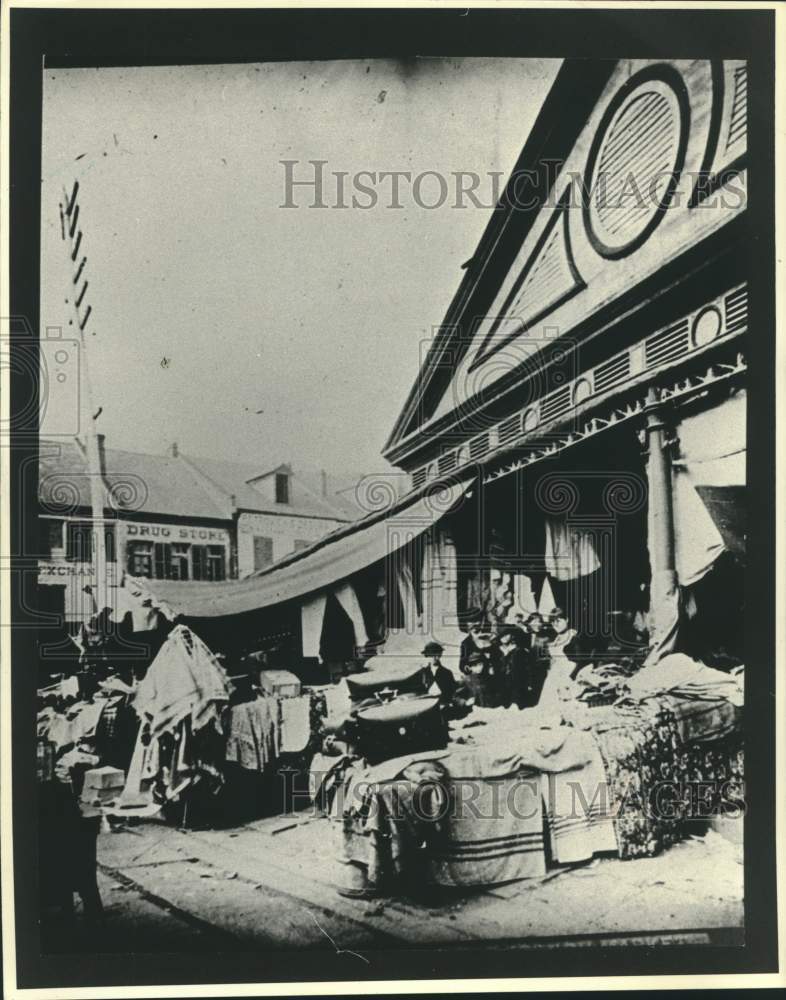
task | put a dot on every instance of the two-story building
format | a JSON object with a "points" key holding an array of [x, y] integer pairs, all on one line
{"points": [[167, 517]]}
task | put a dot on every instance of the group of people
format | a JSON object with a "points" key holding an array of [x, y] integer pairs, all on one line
{"points": [[516, 664]]}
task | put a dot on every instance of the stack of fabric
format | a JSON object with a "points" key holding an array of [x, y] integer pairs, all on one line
{"points": [[496, 797], [601, 684], [684, 677]]}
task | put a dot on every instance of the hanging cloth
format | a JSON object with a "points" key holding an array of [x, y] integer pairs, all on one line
{"points": [[348, 599], [712, 453], [312, 618], [406, 589], [439, 589], [295, 724], [546, 604], [570, 550]]}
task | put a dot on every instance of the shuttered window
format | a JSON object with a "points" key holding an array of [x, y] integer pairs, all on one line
{"points": [[263, 551]]}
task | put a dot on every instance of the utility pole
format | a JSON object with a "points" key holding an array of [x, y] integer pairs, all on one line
{"points": [[81, 311]]}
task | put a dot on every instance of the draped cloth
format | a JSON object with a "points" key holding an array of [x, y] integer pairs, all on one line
{"points": [[348, 599], [579, 811], [712, 453], [439, 589], [406, 589], [295, 724], [184, 681], [252, 733], [570, 550], [312, 616], [488, 821]]}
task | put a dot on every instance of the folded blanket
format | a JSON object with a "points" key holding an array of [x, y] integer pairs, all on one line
{"points": [[580, 811], [679, 674], [493, 832]]}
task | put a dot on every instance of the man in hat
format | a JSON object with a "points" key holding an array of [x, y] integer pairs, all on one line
{"points": [[482, 682], [436, 676]]}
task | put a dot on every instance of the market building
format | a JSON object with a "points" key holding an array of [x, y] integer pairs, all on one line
{"points": [[590, 371]]}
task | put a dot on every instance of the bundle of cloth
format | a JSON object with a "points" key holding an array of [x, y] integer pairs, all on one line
{"points": [[670, 764], [179, 703], [475, 814], [684, 677], [602, 684]]}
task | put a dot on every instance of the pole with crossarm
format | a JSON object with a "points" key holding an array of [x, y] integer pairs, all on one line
{"points": [[81, 311]]}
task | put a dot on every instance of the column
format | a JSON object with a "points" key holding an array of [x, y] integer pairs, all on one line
{"points": [[664, 589]]}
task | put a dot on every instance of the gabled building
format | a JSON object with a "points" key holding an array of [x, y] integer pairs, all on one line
{"points": [[274, 511], [590, 369], [168, 517]]}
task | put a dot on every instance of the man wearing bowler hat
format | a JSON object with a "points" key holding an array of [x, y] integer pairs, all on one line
{"points": [[437, 676]]}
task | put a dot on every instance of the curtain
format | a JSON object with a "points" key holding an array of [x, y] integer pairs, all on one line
{"points": [[312, 618], [348, 599], [439, 588], [712, 453], [570, 550]]}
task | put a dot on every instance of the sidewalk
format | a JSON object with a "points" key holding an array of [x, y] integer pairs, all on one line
{"points": [[272, 883]]}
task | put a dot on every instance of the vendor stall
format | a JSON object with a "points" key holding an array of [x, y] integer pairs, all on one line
{"points": [[513, 793]]}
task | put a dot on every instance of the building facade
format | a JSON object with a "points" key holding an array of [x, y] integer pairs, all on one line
{"points": [[590, 371], [167, 517]]}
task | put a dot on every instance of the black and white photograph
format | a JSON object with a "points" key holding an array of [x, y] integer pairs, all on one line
{"points": [[391, 497]]}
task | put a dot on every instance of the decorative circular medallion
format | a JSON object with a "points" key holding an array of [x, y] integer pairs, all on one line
{"points": [[581, 391], [635, 161], [706, 326], [531, 419]]}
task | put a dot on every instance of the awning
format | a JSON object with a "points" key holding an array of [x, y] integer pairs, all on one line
{"points": [[339, 555]]}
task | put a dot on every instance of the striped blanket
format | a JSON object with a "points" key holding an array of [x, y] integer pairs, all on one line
{"points": [[579, 812], [493, 832]]}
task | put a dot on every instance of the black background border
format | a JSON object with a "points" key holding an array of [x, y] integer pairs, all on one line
{"points": [[149, 37]]}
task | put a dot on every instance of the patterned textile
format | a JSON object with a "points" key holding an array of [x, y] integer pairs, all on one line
{"points": [[703, 720], [654, 779]]}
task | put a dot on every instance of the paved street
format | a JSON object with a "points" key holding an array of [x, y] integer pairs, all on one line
{"points": [[272, 883]]}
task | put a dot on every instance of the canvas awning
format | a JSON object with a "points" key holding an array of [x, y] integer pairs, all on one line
{"points": [[333, 558]]}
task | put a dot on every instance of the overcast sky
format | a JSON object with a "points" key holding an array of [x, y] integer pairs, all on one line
{"points": [[317, 317]]}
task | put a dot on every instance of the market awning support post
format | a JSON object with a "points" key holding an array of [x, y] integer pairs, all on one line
{"points": [[664, 589]]}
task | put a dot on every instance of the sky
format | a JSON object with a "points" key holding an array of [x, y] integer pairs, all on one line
{"points": [[234, 326]]}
